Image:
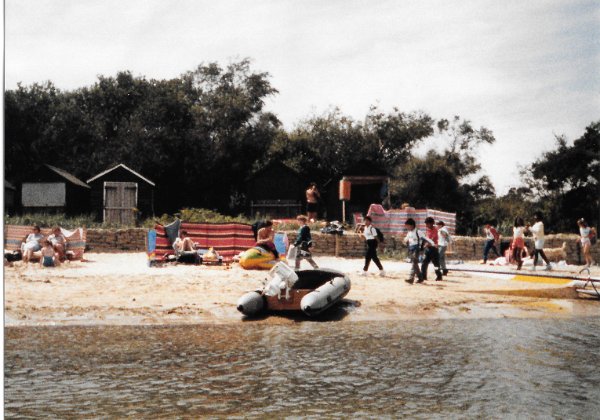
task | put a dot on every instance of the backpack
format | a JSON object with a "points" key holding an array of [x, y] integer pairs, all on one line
{"points": [[380, 236]]}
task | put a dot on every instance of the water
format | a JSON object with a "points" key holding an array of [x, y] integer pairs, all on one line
{"points": [[493, 368]]}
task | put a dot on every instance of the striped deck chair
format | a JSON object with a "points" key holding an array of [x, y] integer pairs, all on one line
{"points": [[76, 239]]}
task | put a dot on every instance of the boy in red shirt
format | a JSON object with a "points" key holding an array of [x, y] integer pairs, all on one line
{"points": [[431, 250]]}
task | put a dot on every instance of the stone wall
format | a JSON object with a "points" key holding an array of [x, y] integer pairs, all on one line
{"points": [[462, 248], [116, 240], [347, 245]]}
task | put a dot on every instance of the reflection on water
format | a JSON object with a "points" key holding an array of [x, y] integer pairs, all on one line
{"points": [[479, 368]]}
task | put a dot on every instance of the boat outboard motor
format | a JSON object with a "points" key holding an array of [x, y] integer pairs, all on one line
{"points": [[282, 277]]}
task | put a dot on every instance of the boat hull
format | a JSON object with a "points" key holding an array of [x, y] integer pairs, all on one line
{"points": [[314, 292]]}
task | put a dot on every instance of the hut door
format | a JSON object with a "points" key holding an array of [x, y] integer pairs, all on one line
{"points": [[120, 198]]}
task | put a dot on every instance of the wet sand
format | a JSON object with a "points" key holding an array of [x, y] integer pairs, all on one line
{"points": [[120, 289]]}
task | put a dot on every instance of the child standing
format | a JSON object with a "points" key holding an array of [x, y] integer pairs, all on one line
{"points": [[537, 231], [304, 242], [413, 240], [49, 256], [444, 240], [491, 236], [431, 250], [518, 242], [370, 235], [584, 232]]}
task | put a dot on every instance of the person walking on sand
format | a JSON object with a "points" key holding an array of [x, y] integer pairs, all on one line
{"points": [[585, 233], [413, 242], [518, 242], [444, 240], [431, 250], [491, 236], [304, 243], [370, 234], [312, 201], [537, 230]]}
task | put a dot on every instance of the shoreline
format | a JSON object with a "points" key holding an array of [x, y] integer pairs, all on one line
{"points": [[120, 289]]}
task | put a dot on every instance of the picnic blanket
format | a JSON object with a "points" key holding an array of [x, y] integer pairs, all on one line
{"points": [[392, 222], [228, 239], [76, 239]]}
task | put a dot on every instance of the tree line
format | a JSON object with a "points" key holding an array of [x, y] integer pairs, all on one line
{"points": [[200, 136]]}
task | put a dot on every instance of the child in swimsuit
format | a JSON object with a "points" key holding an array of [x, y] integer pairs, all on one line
{"points": [[49, 255]]}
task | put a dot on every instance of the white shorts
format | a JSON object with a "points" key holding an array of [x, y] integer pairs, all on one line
{"points": [[585, 241], [539, 243]]}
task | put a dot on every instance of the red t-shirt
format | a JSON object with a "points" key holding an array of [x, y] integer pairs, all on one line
{"points": [[432, 234]]}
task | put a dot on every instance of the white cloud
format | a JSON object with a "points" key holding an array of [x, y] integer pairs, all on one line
{"points": [[524, 70]]}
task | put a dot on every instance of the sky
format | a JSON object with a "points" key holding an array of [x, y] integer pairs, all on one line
{"points": [[528, 71]]}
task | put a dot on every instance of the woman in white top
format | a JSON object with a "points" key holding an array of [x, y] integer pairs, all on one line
{"points": [[370, 235], [586, 243], [537, 231], [518, 242], [32, 243]]}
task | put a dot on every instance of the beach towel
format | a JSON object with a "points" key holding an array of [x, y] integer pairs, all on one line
{"points": [[76, 239]]}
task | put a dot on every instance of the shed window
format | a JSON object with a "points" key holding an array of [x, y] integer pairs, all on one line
{"points": [[44, 194]]}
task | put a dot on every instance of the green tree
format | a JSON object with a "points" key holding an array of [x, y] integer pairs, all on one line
{"points": [[565, 182]]}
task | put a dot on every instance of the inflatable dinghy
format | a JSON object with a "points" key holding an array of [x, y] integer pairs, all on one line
{"points": [[260, 258], [309, 291]]}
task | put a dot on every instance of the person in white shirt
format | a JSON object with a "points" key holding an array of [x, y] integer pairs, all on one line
{"points": [[370, 235], [413, 242], [518, 242], [586, 243], [444, 240], [537, 230], [32, 243]]}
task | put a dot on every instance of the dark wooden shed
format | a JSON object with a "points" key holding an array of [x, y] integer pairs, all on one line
{"points": [[53, 190], [369, 185], [275, 191], [10, 195], [121, 196]]}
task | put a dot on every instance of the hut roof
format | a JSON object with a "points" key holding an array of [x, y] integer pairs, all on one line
{"points": [[9, 185], [71, 178], [120, 165]]}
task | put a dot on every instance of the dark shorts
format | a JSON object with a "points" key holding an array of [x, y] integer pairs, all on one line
{"points": [[312, 207]]}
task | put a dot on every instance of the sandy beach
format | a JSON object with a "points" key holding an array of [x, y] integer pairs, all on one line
{"points": [[120, 289]]}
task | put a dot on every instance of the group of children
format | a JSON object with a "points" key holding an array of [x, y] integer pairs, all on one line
{"points": [[517, 246], [434, 243]]}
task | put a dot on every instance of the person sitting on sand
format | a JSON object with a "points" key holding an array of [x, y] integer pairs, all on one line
{"points": [[266, 238], [49, 255], [183, 243], [58, 241], [32, 243]]}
